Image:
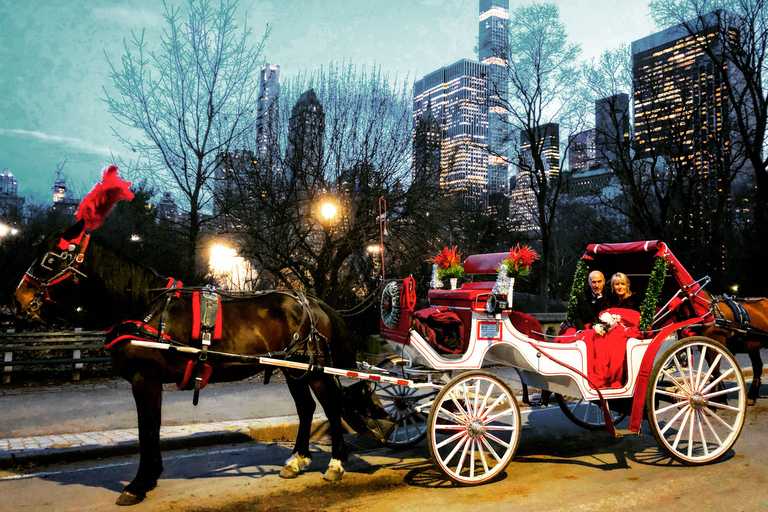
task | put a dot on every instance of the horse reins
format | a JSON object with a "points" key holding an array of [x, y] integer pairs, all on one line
{"points": [[73, 252]]}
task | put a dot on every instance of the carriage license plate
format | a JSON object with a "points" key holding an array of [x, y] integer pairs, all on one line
{"points": [[489, 330]]}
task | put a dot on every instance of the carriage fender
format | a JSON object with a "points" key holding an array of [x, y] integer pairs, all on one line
{"points": [[641, 388]]}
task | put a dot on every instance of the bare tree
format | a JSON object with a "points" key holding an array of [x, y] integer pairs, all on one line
{"points": [[539, 94], [190, 101], [343, 136]]}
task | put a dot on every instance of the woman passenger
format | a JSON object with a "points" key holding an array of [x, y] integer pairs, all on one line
{"points": [[621, 295]]}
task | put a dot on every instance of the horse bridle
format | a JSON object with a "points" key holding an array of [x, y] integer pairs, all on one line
{"points": [[73, 253]]}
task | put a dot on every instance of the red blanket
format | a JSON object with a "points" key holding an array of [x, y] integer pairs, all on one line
{"points": [[442, 328]]}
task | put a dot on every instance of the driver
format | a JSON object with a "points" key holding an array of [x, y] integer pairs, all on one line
{"points": [[590, 302]]}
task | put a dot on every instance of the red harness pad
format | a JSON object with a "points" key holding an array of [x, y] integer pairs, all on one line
{"points": [[188, 382]]}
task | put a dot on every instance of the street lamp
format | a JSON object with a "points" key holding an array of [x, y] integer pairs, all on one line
{"points": [[382, 232]]}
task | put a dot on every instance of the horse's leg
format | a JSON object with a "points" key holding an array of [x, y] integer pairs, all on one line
{"points": [[330, 397], [147, 390], [757, 372], [305, 408]]}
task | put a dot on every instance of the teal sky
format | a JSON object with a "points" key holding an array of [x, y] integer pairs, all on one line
{"points": [[53, 64]]}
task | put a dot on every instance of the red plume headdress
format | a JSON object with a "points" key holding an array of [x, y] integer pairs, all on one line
{"points": [[99, 202]]}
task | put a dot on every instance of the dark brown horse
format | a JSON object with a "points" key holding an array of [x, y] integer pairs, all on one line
{"points": [[70, 268], [742, 326]]}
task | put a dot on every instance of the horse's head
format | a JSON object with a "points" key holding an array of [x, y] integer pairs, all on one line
{"points": [[53, 276]]}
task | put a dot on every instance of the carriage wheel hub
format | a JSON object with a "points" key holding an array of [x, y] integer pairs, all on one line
{"points": [[698, 401], [476, 429]]}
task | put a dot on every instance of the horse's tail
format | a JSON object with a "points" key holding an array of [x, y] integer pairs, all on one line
{"points": [[341, 346]]}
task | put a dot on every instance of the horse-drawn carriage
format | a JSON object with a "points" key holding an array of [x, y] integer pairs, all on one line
{"points": [[688, 386]]}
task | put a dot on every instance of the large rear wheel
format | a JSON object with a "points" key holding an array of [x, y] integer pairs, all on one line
{"points": [[474, 428], [696, 400]]}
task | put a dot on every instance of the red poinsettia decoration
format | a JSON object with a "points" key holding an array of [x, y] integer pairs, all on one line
{"points": [[448, 263], [520, 261]]}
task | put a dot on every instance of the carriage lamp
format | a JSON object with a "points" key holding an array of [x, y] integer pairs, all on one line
{"points": [[495, 304], [735, 288]]}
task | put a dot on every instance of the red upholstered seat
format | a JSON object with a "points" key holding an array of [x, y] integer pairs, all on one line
{"points": [[484, 263]]}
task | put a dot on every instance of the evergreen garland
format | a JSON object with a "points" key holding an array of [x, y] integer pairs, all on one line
{"points": [[579, 280], [655, 283]]}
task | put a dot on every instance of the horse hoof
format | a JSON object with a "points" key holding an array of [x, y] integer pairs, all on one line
{"points": [[751, 401], [334, 472], [294, 465], [128, 498]]}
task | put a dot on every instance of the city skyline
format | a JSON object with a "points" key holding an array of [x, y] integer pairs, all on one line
{"points": [[51, 108]]}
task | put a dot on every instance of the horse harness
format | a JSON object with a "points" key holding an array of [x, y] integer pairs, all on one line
{"points": [[72, 253], [207, 329], [741, 324]]}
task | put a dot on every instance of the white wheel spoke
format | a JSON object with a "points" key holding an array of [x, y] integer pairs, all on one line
{"points": [[491, 408], [491, 449], [701, 418], [461, 442], [686, 385], [674, 419], [660, 391], [719, 393], [712, 429], [482, 455], [463, 457], [503, 413], [448, 415], [719, 419], [673, 406], [715, 364], [676, 382], [724, 406], [717, 380], [701, 366], [690, 432], [500, 427], [681, 429], [497, 440]]}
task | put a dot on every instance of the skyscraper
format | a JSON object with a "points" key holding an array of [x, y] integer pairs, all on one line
{"points": [[523, 198], [492, 51], [682, 114], [306, 128], [611, 126], [457, 95], [267, 121]]}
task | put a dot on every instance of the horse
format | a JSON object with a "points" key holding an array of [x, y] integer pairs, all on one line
{"points": [[741, 324], [275, 322]]}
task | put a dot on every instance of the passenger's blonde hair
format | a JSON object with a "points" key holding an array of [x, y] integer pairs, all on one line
{"points": [[618, 276]]}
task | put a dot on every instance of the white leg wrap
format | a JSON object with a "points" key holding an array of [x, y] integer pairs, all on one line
{"points": [[294, 465], [334, 472]]}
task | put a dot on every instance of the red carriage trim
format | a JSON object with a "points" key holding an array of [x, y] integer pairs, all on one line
{"points": [[484, 263], [644, 373]]}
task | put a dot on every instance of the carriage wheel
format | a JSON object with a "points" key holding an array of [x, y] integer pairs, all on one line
{"points": [[696, 400], [586, 414], [401, 403], [474, 428]]}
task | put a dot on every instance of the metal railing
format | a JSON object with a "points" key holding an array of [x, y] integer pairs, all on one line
{"points": [[31, 349]]}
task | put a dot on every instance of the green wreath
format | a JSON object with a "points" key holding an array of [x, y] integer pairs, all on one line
{"points": [[579, 280], [655, 283]]}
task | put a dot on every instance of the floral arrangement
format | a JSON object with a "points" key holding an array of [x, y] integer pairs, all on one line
{"points": [[520, 261], [607, 323], [448, 263]]}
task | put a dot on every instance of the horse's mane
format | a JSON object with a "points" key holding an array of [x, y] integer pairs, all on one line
{"points": [[341, 346], [125, 281]]}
